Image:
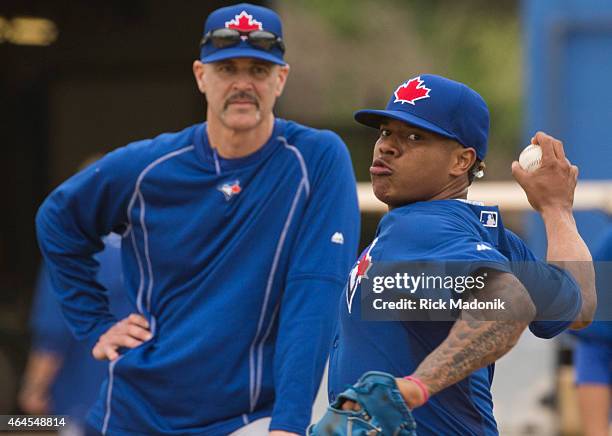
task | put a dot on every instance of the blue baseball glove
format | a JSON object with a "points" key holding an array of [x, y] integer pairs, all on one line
{"points": [[383, 410]]}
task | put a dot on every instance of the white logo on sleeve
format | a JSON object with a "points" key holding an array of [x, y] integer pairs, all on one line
{"points": [[337, 238], [482, 247]]}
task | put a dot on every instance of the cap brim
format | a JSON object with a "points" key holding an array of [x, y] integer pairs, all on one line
{"points": [[242, 52], [374, 118]]}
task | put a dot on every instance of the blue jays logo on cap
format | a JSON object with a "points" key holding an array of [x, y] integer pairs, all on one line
{"points": [[439, 105], [411, 91], [243, 22], [244, 18]]}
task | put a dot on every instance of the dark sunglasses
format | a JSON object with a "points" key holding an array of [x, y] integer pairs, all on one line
{"points": [[222, 38]]}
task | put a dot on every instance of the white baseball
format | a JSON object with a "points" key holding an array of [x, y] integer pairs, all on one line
{"points": [[531, 158]]}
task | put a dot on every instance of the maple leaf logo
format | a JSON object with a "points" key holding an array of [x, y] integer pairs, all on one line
{"points": [[244, 22], [363, 266], [411, 91]]}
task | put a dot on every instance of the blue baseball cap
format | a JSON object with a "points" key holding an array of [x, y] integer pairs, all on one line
{"points": [[439, 105], [243, 17]]}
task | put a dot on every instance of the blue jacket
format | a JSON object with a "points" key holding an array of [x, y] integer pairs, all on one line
{"points": [[236, 263]]}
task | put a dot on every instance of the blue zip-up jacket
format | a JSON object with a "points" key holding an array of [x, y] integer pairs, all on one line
{"points": [[236, 263]]}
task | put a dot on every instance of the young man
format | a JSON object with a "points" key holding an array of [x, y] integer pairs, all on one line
{"points": [[433, 139], [237, 236]]}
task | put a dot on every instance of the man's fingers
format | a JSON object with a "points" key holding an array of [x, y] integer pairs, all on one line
{"points": [[139, 332], [558, 149], [104, 351], [546, 143], [98, 353], [517, 172], [128, 341], [111, 353], [350, 405], [550, 146], [139, 320], [121, 340], [575, 171]]}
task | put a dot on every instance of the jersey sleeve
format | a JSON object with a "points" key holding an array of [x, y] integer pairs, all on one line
{"points": [[320, 260], [554, 291], [70, 225]]}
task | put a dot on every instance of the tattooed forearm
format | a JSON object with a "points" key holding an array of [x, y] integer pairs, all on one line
{"points": [[469, 346], [475, 341]]}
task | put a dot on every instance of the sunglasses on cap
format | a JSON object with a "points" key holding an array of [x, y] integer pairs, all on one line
{"points": [[223, 38]]}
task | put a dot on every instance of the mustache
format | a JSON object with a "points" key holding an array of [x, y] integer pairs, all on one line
{"points": [[242, 96]]}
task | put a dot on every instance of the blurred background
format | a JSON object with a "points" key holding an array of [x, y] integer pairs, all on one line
{"points": [[84, 77]]}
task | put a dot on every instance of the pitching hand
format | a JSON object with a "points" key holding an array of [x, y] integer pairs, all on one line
{"points": [[552, 185], [130, 332]]}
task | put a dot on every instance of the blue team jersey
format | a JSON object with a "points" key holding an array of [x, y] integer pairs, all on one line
{"points": [[77, 383], [237, 264], [444, 230]]}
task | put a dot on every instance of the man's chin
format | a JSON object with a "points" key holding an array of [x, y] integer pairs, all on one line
{"points": [[390, 197], [382, 193], [242, 120]]}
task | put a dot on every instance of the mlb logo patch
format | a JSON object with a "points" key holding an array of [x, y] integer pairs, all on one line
{"points": [[488, 218]]}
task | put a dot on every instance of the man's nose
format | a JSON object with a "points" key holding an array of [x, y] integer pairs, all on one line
{"points": [[386, 148], [243, 81]]}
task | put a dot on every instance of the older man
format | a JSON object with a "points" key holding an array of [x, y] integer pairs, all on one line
{"points": [[237, 235]]}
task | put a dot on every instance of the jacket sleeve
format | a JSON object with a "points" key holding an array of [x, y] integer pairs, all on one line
{"points": [[70, 225], [321, 258]]}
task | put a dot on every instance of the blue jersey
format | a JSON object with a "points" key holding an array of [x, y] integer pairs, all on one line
{"points": [[237, 264], [443, 230], [77, 383]]}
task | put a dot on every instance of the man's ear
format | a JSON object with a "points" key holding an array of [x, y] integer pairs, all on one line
{"points": [[463, 159], [198, 74], [283, 73]]}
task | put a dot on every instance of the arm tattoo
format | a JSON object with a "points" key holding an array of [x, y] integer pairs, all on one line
{"points": [[474, 340]]}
